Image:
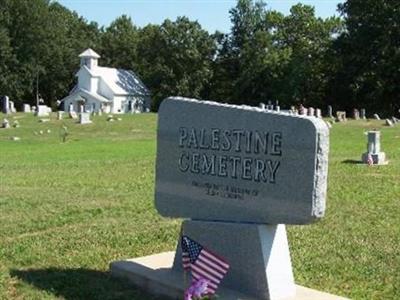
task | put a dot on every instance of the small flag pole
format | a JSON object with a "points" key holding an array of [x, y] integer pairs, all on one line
{"points": [[185, 272]]}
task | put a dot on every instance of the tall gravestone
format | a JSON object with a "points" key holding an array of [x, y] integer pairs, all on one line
{"points": [[230, 172], [5, 105], [330, 111], [362, 113], [374, 149]]}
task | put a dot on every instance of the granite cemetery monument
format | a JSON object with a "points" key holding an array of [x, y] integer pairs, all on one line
{"points": [[237, 174], [5, 105], [374, 149]]}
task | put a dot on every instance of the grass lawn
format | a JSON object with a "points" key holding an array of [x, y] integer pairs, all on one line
{"points": [[68, 209]]}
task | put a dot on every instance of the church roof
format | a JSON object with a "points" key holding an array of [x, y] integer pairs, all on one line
{"points": [[89, 53], [121, 82]]}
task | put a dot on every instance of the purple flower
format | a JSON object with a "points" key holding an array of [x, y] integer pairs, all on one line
{"points": [[197, 289]]}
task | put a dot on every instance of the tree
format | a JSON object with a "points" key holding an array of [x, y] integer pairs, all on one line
{"points": [[368, 55], [119, 42], [175, 59]]}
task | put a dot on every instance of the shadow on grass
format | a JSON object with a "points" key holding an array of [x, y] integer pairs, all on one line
{"points": [[80, 284], [352, 161]]}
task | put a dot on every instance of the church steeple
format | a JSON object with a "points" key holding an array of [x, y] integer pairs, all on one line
{"points": [[89, 58]]}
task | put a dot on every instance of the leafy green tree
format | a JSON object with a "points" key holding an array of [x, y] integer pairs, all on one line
{"points": [[119, 43], [175, 59], [368, 57]]}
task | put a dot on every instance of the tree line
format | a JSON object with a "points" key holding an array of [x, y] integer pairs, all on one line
{"points": [[347, 61]]}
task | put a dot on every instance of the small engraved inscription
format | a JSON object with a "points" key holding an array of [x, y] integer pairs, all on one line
{"points": [[225, 191]]}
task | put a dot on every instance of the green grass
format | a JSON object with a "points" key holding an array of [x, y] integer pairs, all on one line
{"points": [[68, 209]]}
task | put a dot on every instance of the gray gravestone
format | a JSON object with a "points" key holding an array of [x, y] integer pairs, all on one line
{"points": [[5, 107], [363, 114], [60, 115], [374, 149], [376, 117], [330, 112], [318, 113], [311, 111], [84, 118], [235, 165], [226, 157], [356, 114], [236, 172]]}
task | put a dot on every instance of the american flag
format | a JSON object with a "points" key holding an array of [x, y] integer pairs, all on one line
{"points": [[203, 263], [370, 160]]}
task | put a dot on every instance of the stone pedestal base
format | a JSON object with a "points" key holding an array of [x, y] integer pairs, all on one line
{"points": [[155, 275], [258, 256], [378, 158]]}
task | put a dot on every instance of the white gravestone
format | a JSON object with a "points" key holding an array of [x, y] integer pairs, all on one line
{"points": [[230, 171], [12, 107], [42, 111], [5, 124], [374, 149], [26, 108], [84, 118], [60, 115]]}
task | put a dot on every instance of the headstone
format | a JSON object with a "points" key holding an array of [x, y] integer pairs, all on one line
{"points": [[71, 108], [5, 107], [33, 108], [100, 113], [262, 106], [60, 115], [5, 123], [341, 116], [270, 106], [26, 108], [15, 138], [310, 111], [12, 107], [374, 149], [388, 123], [376, 117], [81, 108], [229, 170], [42, 111], [84, 118], [330, 112], [356, 114], [363, 114], [318, 113], [73, 115], [395, 120], [15, 124]]}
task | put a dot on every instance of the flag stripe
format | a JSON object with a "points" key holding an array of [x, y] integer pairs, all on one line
{"points": [[208, 263], [202, 264], [215, 259], [205, 275]]}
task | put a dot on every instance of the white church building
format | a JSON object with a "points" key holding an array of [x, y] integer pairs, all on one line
{"points": [[107, 89]]}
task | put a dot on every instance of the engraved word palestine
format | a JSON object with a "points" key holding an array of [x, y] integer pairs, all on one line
{"points": [[242, 154]]}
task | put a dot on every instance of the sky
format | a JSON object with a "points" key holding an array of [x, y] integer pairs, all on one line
{"points": [[211, 14]]}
